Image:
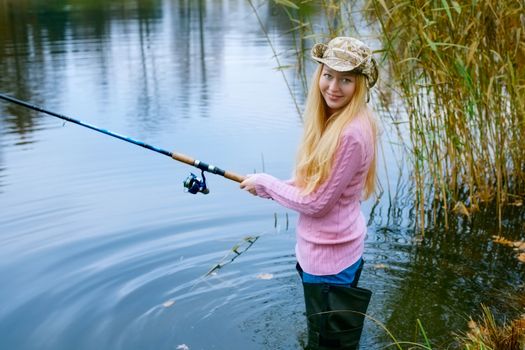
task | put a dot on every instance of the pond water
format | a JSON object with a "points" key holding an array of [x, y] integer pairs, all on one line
{"points": [[100, 247]]}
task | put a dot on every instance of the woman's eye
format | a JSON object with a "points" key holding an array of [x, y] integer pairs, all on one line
{"points": [[327, 76], [346, 81]]}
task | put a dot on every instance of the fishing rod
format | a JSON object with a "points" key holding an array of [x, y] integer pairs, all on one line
{"points": [[193, 184]]}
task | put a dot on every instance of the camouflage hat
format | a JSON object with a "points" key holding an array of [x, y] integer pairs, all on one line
{"points": [[345, 54]]}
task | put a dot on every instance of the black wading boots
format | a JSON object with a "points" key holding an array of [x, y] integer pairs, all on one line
{"points": [[335, 315]]}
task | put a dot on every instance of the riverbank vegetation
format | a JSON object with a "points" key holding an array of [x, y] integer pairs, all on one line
{"points": [[487, 334], [458, 69], [483, 334], [453, 84]]}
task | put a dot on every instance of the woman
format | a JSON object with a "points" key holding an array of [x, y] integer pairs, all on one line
{"points": [[335, 170]]}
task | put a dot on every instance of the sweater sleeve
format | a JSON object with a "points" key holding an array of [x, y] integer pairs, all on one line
{"points": [[347, 164]]}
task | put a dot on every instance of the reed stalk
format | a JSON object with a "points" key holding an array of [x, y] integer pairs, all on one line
{"points": [[460, 69], [270, 43], [487, 334]]}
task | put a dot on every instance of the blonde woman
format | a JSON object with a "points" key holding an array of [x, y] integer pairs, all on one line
{"points": [[335, 170]]}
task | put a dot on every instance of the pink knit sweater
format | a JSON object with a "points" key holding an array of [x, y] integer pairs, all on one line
{"points": [[331, 228]]}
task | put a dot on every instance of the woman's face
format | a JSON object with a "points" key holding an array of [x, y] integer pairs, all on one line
{"points": [[336, 87]]}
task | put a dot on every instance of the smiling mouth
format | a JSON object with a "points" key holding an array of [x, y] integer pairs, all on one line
{"points": [[334, 97]]}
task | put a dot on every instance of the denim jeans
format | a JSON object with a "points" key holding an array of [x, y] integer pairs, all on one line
{"points": [[349, 277]]}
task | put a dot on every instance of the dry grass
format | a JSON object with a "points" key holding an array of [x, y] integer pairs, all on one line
{"points": [[460, 69], [487, 335]]}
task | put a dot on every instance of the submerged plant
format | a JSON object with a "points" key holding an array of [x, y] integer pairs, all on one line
{"points": [[234, 253]]}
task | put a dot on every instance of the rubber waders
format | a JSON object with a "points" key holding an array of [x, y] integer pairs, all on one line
{"points": [[335, 315]]}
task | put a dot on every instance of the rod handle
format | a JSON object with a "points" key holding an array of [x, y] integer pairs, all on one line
{"points": [[190, 161], [234, 177], [183, 158]]}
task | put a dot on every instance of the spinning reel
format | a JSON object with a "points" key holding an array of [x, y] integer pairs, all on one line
{"points": [[194, 185]]}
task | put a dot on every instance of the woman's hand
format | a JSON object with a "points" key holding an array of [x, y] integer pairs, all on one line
{"points": [[249, 184]]}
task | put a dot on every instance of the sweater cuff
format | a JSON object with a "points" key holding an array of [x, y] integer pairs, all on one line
{"points": [[260, 185]]}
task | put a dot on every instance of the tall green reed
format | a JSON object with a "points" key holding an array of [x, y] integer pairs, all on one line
{"points": [[310, 21], [460, 69]]}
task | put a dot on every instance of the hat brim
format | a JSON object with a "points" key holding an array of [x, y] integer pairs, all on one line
{"points": [[336, 64], [340, 65], [367, 67], [318, 50]]}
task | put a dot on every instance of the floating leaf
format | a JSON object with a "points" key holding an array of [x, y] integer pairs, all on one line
{"points": [[518, 244], [380, 266], [521, 257], [168, 303], [502, 240], [265, 276]]}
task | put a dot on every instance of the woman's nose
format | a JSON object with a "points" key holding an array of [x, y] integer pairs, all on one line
{"points": [[334, 85]]}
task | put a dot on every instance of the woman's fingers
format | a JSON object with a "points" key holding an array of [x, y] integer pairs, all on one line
{"points": [[248, 185]]}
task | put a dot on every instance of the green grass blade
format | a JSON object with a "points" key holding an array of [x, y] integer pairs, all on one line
{"points": [[447, 9], [424, 334]]}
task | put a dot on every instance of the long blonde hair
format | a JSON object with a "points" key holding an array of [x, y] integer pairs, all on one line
{"points": [[321, 136]]}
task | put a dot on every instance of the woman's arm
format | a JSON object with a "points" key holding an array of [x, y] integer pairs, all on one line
{"points": [[348, 163]]}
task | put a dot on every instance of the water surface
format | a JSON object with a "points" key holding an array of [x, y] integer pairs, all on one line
{"points": [[101, 248]]}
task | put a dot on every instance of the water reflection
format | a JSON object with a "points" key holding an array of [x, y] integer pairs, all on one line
{"points": [[443, 278], [94, 235], [127, 52]]}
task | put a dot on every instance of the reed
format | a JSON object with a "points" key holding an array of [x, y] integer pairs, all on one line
{"points": [[460, 70], [310, 21], [487, 334]]}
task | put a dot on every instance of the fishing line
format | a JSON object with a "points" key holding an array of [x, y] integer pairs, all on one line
{"points": [[193, 184]]}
